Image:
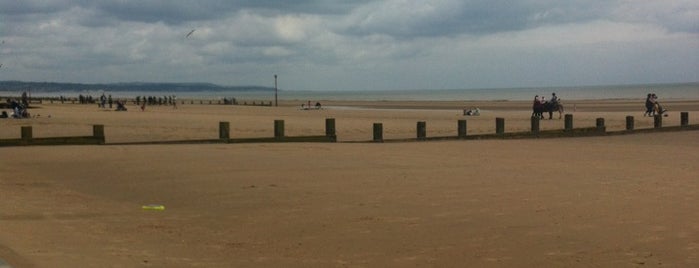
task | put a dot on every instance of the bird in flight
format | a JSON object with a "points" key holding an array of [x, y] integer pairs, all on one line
{"points": [[190, 33]]}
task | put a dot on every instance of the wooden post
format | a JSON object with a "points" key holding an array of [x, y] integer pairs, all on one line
{"points": [[600, 125], [500, 126], [462, 128], [569, 122], [224, 130], [378, 132], [684, 119], [27, 133], [279, 129], [421, 130], [330, 127], [535, 125], [629, 123], [98, 132], [658, 121], [330, 131]]}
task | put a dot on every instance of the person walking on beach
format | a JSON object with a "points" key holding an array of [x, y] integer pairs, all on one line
{"points": [[103, 101], [650, 103]]}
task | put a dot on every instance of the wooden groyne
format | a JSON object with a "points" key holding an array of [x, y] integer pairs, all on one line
{"points": [[27, 138], [224, 136]]}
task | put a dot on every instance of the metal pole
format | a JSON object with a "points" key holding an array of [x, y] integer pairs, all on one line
{"points": [[275, 90]]}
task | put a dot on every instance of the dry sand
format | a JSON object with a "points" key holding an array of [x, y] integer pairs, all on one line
{"points": [[617, 201]]}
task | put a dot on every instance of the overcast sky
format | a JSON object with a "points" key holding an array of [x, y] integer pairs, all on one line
{"points": [[348, 45]]}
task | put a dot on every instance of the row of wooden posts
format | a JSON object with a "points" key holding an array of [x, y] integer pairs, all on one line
{"points": [[98, 135]]}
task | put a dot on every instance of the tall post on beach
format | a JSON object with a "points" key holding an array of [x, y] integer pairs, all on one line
{"points": [[27, 132], [599, 124], [275, 90], [224, 130], [279, 129], [421, 130], [500, 126], [658, 121], [568, 122], [378, 132], [330, 128], [535, 125], [98, 132], [684, 119], [629, 123], [462, 128]]}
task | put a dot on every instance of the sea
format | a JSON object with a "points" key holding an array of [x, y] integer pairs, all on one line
{"points": [[663, 91]]}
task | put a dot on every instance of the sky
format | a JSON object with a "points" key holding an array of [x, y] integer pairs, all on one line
{"points": [[352, 45]]}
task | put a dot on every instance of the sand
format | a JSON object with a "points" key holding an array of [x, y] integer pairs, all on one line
{"points": [[614, 201]]}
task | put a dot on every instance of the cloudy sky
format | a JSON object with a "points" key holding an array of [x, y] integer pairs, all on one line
{"points": [[346, 45]]}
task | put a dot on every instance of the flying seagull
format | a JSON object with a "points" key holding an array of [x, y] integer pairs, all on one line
{"points": [[190, 33]]}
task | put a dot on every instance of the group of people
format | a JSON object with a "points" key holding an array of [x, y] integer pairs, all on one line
{"points": [[542, 105], [308, 106], [19, 110], [542, 100], [120, 104], [653, 107]]}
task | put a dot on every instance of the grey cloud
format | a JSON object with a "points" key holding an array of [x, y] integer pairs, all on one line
{"points": [[475, 17]]}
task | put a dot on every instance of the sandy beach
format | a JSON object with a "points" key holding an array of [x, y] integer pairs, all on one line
{"points": [[610, 201]]}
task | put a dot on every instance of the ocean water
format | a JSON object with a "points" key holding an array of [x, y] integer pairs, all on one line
{"points": [[664, 91]]}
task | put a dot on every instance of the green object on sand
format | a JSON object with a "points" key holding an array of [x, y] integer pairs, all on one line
{"points": [[153, 207]]}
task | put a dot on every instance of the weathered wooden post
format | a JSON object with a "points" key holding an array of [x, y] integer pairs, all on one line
{"points": [[421, 130], [535, 125], [629, 123], [462, 128], [330, 128], [658, 121], [27, 132], [224, 130], [500, 126], [279, 129], [684, 119], [98, 132], [600, 125], [568, 122], [378, 132]]}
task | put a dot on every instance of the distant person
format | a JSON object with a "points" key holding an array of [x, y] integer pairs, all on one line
{"points": [[538, 107], [317, 105], [120, 106], [25, 99], [103, 101], [650, 104], [554, 98]]}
